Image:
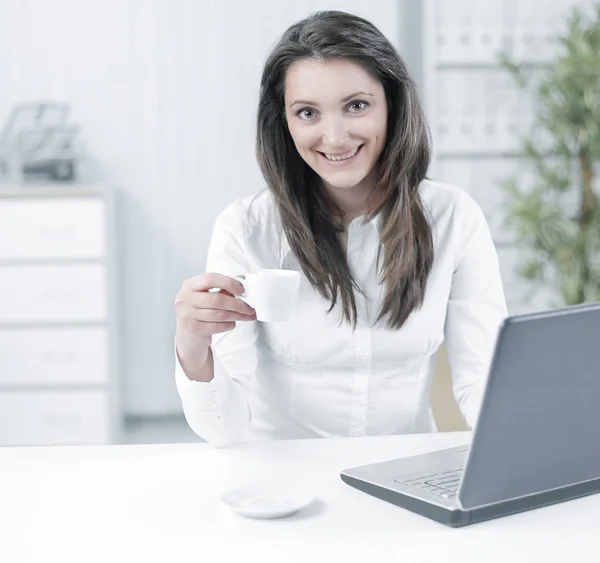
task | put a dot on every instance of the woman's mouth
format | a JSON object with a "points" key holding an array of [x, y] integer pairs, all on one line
{"points": [[341, 159]]}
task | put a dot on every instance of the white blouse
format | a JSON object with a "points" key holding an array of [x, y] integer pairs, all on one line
{"points": [[309, 377]]}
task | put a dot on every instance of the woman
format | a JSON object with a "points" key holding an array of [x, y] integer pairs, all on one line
{"points": [[392, 263]]}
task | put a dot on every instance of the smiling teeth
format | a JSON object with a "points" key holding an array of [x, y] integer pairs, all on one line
{"points": [[341, 156]]}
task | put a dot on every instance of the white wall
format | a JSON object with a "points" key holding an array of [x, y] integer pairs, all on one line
{"points": [[165, 92]]}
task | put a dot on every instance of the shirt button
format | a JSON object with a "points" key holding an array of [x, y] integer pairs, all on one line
{"points": [[356, 433]]}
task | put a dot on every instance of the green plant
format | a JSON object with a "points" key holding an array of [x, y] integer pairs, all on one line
{"points": [[553, 204]]}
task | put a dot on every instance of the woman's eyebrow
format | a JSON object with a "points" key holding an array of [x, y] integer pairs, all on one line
{"points": [[359, 93], [309, 103]]}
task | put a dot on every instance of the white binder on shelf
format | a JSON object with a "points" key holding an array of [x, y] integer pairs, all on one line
{"points": [[488, 174], [457, 172], [488, 31], [454, 31], [455, 111]]}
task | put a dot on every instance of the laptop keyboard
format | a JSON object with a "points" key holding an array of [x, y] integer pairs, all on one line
{"points": [[444, 483]]}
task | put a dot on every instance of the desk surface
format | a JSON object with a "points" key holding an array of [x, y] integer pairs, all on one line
{"points": [[161, 503]]}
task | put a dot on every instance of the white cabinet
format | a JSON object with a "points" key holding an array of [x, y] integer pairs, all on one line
{"points": [[58, 376]]}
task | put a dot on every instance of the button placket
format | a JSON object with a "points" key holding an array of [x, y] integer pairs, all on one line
{"points": [[362, 333], [354, 250], [358, 418], [214, 395]]}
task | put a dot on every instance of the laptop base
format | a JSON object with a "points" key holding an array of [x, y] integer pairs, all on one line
{"points": [[459, 517]]}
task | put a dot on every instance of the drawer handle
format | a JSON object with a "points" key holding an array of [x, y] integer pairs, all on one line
{"points": [[50, 231], [62, 420], [58, 358], [59, 293]]}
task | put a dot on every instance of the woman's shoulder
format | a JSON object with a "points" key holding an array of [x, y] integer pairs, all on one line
{"points": [[447, 203], [442, 195], [254, 216], [255, 207]]}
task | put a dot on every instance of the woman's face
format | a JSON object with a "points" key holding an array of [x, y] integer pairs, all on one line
{"points": [[337, 117]]}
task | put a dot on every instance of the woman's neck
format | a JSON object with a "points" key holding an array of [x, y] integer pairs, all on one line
{"points": [[352, 202]]}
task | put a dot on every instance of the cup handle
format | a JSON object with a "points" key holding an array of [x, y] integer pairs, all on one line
{"points": [[245, 297]]}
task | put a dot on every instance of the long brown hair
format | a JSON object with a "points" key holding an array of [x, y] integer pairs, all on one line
{"points": [[302, 204]]}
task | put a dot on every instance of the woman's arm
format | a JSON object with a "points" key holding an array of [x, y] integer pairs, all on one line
{"points": [[476, 308], [218, 410]]}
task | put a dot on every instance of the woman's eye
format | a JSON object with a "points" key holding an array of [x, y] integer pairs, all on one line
{"points": [[358, 106], [306, 113]]}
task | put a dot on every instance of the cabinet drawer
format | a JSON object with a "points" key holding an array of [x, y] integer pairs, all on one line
{"points": [[54, 357], [53, 418], [52, 293], [52, 228]]}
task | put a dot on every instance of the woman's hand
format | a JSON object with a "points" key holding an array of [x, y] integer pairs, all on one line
{"points": [[206, 305]]}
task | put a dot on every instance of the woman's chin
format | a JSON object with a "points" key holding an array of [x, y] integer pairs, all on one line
{"points": [[343, 181]]}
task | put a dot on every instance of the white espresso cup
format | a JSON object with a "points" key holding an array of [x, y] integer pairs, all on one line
{"points": [[271, 293]]}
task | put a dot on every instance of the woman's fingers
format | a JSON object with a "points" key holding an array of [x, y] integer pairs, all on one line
{"points": [[221, 315], [204, 282], [217, 300]]}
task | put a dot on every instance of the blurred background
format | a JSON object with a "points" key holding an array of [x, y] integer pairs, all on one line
{"points": [[127, 125]]}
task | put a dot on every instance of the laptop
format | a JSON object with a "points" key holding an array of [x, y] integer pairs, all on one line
{"points": [[537, 439]]}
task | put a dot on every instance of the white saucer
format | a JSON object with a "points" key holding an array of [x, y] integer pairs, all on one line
{"points": [[267, 501]]}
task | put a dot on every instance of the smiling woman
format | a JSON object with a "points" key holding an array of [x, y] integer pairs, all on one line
{"points": [[391, 264]]}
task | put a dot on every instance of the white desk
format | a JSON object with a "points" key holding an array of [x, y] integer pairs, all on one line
{"points": [[161, 503]]}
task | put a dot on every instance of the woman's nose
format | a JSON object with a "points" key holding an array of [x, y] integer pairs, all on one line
{"points": [[334, 133]]}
